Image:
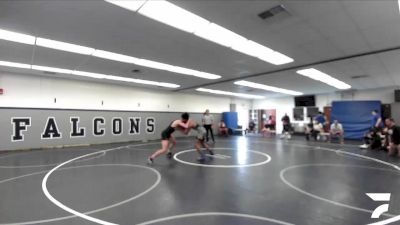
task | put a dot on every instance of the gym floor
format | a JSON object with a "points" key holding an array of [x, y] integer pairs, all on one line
{"points": [[249, 180]]}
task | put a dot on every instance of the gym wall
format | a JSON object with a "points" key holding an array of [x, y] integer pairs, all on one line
{"points": [[42, 97], [40, 128], [34, 91]]}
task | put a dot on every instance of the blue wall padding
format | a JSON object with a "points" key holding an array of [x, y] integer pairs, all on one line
{"points": [[355, 116], [230, 119]]}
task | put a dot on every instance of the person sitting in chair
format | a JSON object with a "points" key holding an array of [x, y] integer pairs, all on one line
{"points": [[336, 131], [252, 127], [223, 130], [270, 123]]}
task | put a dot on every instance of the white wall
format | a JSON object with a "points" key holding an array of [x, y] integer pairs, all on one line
{"points": [[33, 91], [282, 106], [385, 95]]}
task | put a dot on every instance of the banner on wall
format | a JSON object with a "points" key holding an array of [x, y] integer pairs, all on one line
{"points": [[38, 128]]}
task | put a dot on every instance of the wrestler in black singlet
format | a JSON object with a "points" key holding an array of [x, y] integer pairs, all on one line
{"points": [[166, 134]]}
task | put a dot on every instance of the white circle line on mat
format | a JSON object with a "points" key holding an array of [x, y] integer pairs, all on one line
{"points": [[383, 222], [268, 159], [92, 211], [54, 164], [72, 211], [215, 214], [282, 176]]}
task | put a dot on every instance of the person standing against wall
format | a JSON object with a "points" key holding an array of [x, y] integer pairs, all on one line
{"points": [[375, 127], [286, 127], [207, 123]]}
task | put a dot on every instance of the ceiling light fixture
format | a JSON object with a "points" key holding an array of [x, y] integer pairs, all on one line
{"points": [[175, 16], [220, 35], [172, 15], [115, 56], [17, 37], [266, 87], [219, 92], [252, 48], [323, 77], [51, 69], [16, 65], [87, 74], [130, 5], [63, 46], [276, 58]]}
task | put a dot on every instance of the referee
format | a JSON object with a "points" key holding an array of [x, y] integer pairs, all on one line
{"points": [[207, 122]]}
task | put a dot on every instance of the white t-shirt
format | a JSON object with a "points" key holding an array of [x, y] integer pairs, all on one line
{"points": [[208, 119], [337, 128], [318, 127]]}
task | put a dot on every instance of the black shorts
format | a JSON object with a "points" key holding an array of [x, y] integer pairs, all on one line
{"points": [[396, 141], [165, 135]]}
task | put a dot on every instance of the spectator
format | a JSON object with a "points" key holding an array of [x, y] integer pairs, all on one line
{"points": [[375, 127], [271, 123], [286, 126], [317, 129], [336, 131], [376, 120], [286, 123], [223, 130], [394, 137], [386, 135], [320, 117], [208, 121], [372, 139], [309, 129], [252, 127]]}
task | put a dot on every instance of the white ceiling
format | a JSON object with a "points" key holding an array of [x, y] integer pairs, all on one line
{"points": [[315, 31]]}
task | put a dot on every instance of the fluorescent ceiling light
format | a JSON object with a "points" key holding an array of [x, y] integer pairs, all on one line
{"points": [[154, 65], [220, 35], [175, 69], [51, 69], [323, 77], [63, 46], [266, 87], [218, 92], [139, 81], [276, 58], [17, 37], [175, 16], [16, 65], [88, 74], [162, 84], [182, 70], [115, 56], [252, 48], [172, 15], [206, 75], [168, 85], [130, 5]]}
